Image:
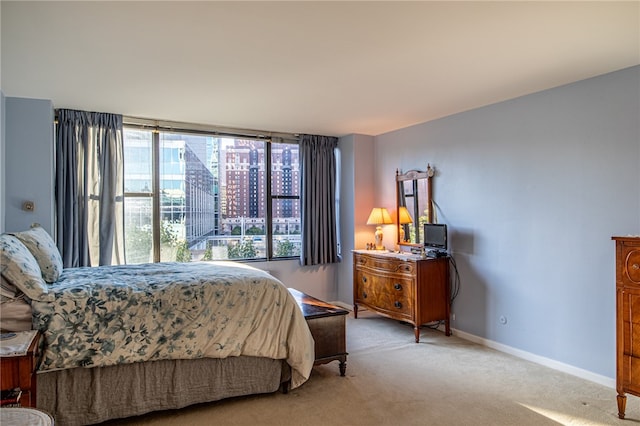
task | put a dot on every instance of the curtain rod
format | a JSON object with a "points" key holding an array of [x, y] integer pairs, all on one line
{"points": [[175, 126]]}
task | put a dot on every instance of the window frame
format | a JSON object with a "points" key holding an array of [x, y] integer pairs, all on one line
{"points": [[157, 127]]}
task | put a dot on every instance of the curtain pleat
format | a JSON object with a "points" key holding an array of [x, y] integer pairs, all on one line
{"points": [[89, 188], [318, 200]]}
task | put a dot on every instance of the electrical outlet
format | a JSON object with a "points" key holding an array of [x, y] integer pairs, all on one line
{"points": [[453, 317]]}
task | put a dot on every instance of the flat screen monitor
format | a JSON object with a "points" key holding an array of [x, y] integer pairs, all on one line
{"points": [[435, 236]]}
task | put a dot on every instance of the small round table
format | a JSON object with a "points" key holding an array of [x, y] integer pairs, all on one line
{"points": [[23, 416]]}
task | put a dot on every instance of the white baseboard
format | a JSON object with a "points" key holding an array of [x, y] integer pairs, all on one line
{"points": [[547, 362]]}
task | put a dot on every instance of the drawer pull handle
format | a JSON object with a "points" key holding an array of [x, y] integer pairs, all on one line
{"points": [[398, 305], [635, 266], [397, 286], [364, 294], [364, 279]]}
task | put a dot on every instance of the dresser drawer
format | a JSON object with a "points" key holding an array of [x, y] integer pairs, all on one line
{"points": [[390, 265], [629, 320], [393, 295], [628, 263], [631, 376], [632, 265]]}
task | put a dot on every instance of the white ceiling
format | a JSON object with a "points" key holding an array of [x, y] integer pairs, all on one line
{"points": [[331, 68]]}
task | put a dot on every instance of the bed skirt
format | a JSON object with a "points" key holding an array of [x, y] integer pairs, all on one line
{"points": [[82, 396]]}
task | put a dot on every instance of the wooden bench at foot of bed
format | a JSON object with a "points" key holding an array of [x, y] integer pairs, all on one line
{"points": [[327, 323]]}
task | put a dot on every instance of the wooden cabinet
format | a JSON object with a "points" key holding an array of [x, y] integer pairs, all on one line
{"points": [[19, 371], [402, 286]]}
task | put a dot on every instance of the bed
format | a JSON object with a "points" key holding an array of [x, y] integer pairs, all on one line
{"points": [[126, 340]]}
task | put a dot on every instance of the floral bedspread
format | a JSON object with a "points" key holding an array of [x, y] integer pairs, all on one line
{"points": [[110, 315]]}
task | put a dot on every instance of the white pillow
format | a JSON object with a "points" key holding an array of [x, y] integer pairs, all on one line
{"points": [[44, 249], [20, 268]]}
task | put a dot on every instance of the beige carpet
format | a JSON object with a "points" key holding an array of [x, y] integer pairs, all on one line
{"points": [[391, 380]]}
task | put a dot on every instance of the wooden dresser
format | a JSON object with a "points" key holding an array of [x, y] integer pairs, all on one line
{"points": [[627, 319], [402, 286]]}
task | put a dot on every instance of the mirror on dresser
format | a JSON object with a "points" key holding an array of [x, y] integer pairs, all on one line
{"points": [[413, 201]]}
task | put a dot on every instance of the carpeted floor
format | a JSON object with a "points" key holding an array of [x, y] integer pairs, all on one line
{"points": [[391, 380]]}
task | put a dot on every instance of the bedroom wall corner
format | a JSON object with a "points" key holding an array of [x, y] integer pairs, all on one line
{"points": [[357, 197], [347, 209], [29, 163]]}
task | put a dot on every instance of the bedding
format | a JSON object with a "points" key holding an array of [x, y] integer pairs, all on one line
{"points": [[111, 315], [149, 337], [44, 250], [20, 268], [126, 390], [15, 315], [8, 291], [15, 310]]}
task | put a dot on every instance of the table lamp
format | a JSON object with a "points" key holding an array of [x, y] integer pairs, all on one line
{"points": [[379, 216]]}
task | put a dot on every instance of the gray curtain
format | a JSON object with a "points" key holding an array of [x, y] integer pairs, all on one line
{"points": [[89, 188], [318, 200]]}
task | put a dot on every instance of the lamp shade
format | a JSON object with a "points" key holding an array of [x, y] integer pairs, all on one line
{"points": [[403, 216], [379, 216]]}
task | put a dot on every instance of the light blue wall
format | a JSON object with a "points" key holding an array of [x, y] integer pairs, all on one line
{"points": [[532, 190], [346, 146], [29, 163]]}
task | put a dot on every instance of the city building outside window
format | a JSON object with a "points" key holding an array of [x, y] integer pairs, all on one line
{"points": [[198, 196]]}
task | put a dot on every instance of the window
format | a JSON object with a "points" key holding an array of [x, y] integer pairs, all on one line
{"points": [[285, 200], [198, 196]]}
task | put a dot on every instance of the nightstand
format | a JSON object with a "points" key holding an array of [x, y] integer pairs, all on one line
{"points": [[19, 371]]}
